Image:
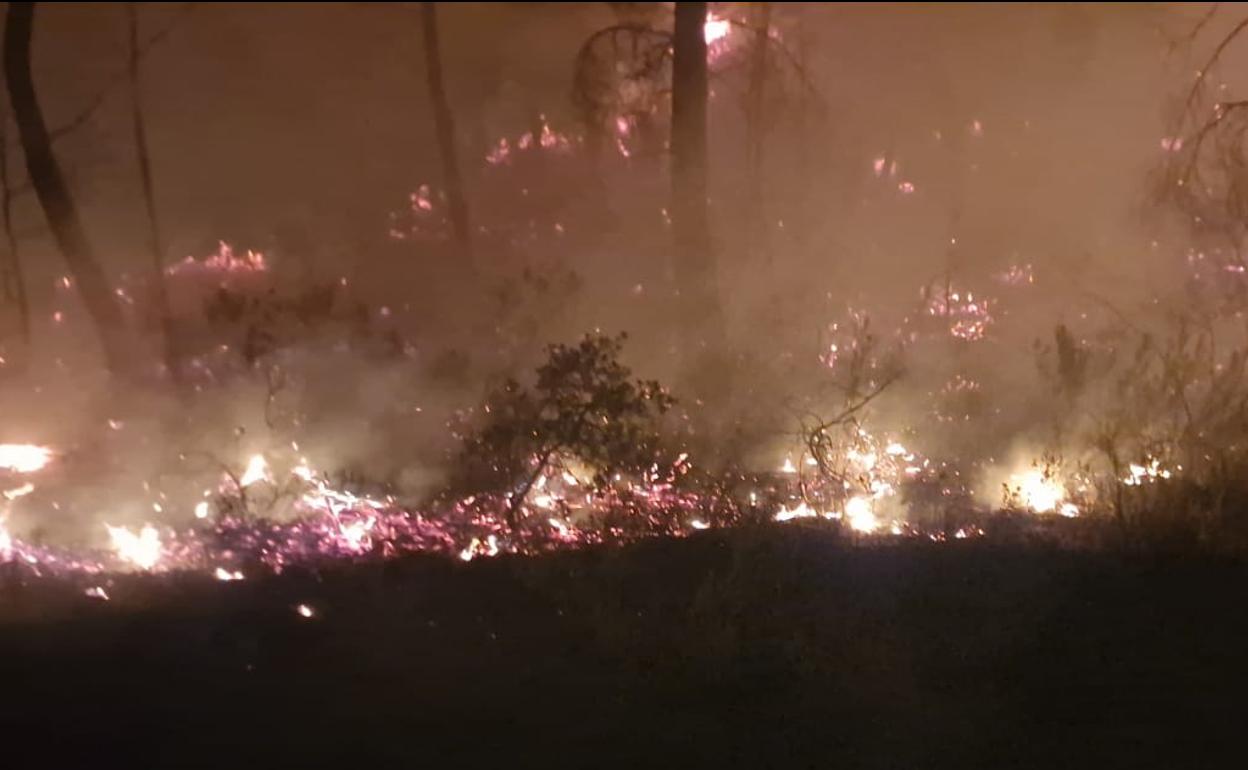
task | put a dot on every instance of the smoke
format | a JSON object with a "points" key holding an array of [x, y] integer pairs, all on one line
{"points": [[911, 152]]}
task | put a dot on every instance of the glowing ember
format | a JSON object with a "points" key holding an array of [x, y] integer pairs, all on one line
{"points": [[968, 316], [142, 550], [201, 509], [478, 548], [224, 261], [96, 592], [225, 575], [1017, 275], [24, 458], [422, 199], [305, 611], [699, 524]]}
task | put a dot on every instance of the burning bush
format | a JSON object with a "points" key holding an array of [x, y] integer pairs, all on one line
{"points": [[583, 416]]}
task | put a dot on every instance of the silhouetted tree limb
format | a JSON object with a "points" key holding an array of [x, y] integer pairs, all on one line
{"points": [[445, 127], [755, 117], [118, 79], [694, 261], [14, 284], [155, 243], [53, 193]]}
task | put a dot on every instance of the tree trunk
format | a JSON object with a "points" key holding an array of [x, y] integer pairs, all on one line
{"points": [[755, 135], [445, 127], [160, 294], [53, 193], [12, 283], [694, 262]]}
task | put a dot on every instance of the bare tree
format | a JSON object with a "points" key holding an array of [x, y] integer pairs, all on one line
{"points": [[160, 293], [52, 191], [1204, 174], [695, 265], [445, 126]]}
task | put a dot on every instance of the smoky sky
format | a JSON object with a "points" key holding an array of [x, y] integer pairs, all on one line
{"points": [[304, 124]]}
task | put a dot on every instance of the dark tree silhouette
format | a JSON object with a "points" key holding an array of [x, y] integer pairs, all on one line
{"points": [[445, 126], [155, 243], [756, 129], [12, 283], [695, 266], [52, 191]]}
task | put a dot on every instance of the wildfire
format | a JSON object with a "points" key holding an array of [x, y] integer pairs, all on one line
{"points": [[22, 491], [800, 511], [24, 458], [968, 316], [715, 29], [226, 575], [545, 138], [860, 516], [223, 261], [1040, 492], [257, 470], [1138, 475], [479, 548], [142, 550]]}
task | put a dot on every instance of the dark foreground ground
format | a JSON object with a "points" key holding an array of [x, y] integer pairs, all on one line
{"points": [[778, 648]]}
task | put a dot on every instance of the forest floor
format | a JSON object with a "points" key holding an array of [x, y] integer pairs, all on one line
{"points": [[776, 647]]}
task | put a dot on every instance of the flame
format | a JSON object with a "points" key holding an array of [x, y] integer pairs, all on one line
{"points": [[22, 491], [224, 261], [1040, 492], [355, 535], [257, 470], [478, 548], [24, 458], [860, 516], [801, 511], [715, 28], [142, 550], [1146, 474]]}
